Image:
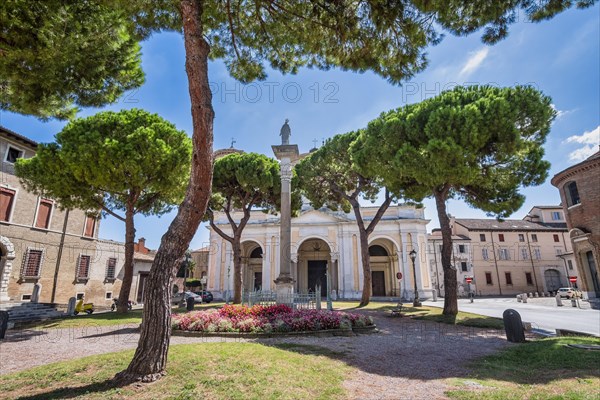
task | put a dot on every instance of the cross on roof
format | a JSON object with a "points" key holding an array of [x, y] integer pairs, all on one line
{"points": [[232, 142], [315, 141]]}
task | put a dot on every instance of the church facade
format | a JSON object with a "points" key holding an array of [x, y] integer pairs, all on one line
{"points": [[326, 241]]}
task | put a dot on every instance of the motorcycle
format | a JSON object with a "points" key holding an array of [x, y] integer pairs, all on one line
{"points": [[88, 308], [115, 303]]}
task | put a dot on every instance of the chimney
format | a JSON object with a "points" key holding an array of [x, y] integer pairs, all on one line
{"points": [[140, 246]]}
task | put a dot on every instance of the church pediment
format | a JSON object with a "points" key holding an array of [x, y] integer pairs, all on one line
{"points": [[318, 217]]}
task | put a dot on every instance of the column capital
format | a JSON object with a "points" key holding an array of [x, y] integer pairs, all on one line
{"points": [[334, 255]]}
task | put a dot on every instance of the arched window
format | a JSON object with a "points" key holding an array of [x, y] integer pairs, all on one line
{"points": [[256, 253], [572, 194], [377, 251]]}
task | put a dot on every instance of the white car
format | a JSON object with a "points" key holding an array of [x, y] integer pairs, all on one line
{"points": [[569, 293], [177, 298]]}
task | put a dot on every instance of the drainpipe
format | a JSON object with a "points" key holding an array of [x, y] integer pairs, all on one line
{"points": [[59, 256], [537, 289], [496, 262]]}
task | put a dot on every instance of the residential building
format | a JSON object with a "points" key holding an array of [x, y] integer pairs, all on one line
{"points": [[48, 254], [519, 256], [324, 240], [579, 187], [462, 260]]}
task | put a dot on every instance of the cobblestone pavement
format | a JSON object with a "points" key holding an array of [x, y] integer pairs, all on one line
{"points": [[407, 359]]}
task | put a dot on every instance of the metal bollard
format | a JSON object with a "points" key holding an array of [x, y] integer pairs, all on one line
{"points": [[190, 303]]}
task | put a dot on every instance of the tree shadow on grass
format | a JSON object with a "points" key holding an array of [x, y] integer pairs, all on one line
{"points": [[74, 392]]}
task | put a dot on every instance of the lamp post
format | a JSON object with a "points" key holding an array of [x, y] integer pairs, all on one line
{"points": [[413, 257]]}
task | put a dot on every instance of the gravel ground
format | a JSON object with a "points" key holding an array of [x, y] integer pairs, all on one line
{"points": [[408, 359]]}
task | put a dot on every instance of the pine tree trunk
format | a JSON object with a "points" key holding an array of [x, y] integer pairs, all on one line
{"points": [[149, 362], [128, 267], [450, 283], [237, 270], [366, 262]]}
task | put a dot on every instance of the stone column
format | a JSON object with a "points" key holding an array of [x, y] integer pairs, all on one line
{"points": [[287, 154], [7, 251]]}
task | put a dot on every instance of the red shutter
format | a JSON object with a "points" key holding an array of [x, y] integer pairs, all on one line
{"points": [[6, 203], [43, 215], [84, 267], [90, 226]]}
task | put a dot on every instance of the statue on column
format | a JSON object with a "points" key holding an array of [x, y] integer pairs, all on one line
{"points": [[285, 133]]}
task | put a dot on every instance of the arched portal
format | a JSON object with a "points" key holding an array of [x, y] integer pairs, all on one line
{"points": [[252, 266], [553, 280], [7, 255], [382, 256], [314, 261]]}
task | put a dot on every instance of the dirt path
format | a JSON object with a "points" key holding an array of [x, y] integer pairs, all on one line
{"points": [[408, 359]]}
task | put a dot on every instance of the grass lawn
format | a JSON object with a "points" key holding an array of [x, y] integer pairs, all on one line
{"points": [[427, 314], [105, 318], [542, 369], [194, 371]]}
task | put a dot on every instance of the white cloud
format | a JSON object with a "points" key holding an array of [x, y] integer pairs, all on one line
{"points": [[561, 113], [474, 62], [589, 140]]}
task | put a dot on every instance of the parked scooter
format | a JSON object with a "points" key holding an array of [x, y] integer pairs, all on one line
{"points": [[115, 303], [88, 308]]}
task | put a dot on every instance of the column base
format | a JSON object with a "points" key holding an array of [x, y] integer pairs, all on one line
{"points": [[284, 292]]}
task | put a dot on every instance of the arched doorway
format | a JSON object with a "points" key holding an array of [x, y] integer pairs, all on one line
{"points": [[381, 257], [553, 280], [314, 260], [252, 267], [7, 255]]}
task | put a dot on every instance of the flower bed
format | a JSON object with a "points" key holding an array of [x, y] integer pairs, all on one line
{"points": [[267, 319]]}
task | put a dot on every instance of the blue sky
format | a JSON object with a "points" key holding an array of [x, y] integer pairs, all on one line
{"points": [[561, 57]]}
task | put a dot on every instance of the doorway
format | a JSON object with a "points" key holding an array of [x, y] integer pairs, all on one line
{"points": [[257, 281], [378, 283], [141, 284], [553, 281], [317, 275]]}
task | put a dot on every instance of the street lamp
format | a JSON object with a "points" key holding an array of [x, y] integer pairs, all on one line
{"points": [[413, 257]]}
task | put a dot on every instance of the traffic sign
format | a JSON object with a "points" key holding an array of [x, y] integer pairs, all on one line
{"points": [[469, 279], [572, 279]]}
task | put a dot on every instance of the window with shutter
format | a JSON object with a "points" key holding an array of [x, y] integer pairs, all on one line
{"points": [[111, 268], [32, 264], [90, 226], [43, 214], [83, 268], [7, 197]]}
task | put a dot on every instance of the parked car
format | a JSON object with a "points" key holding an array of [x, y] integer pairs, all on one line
{"points": [[207, 296], [179, 297], [569, 293]]}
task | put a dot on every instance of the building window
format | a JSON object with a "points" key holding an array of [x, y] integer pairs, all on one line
{"points": [[556, 238], [32, 264], [556, 216], [484, 254], [533, 237], [528, 278], [79, 296], [570, 264], [572, 194], [463, 266], [501, 237], [504, 254], [461, 248], [488, 278], [521, 237], [537, 253], [42, 219], [83, 267], [111, 268], [108, 295], [558, 251], [90, 226], [482, 237], [524, 253], [508, 278], [13, 154], [7, 198]]}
